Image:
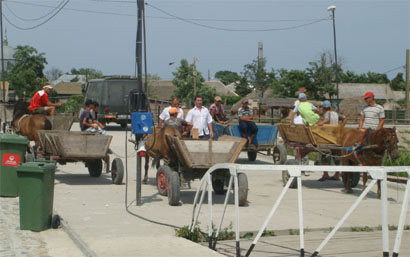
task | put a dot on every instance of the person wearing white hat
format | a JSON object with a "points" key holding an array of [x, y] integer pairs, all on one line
{"points": [[40, 103]]}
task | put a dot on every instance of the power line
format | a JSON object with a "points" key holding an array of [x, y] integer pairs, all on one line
{"points": [[34, 19], [168, 17], [234, 30], [38, 25], [400, 67]]}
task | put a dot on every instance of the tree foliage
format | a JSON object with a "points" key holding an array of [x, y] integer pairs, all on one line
{"points": [[256, 74], [321, 74], [90, 73], [184, 81], [227, 77], [398, 82], [26, 75]]}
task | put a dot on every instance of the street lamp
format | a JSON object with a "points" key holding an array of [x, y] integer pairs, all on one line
{"points": [[332, 9]]}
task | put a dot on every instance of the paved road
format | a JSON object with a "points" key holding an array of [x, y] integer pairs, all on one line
{"points": [[94, 209]]}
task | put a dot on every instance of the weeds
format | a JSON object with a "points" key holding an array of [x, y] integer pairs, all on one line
{"points": [[247, 235], [267, 233], [361, 229]]}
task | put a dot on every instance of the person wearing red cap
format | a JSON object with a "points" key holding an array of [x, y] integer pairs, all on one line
{"points": [[372, 114]]}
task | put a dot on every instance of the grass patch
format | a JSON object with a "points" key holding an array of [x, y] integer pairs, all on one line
{"points": [[247, 235], [403, 160], [267, 233], [198, 236], [361, 229]]}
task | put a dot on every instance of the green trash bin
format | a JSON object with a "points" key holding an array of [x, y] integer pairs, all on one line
{"points": [[12, 150], [36, 191]]}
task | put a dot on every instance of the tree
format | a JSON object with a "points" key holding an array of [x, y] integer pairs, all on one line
{"points": [[53, 74], [321, 74], [291, 81], [26, 75], [227, 77], [184, 81], [89, 73], [398, 82], [243, 88], [256, 75]]}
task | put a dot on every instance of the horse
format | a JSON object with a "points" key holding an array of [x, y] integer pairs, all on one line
{"points": [[384, 139], [157, 147], [28, 124]]}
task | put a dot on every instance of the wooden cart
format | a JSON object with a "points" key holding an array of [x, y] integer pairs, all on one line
{"points": [[61, 121], [304, 139], [265, 140], [192, 159], [72, 146]]}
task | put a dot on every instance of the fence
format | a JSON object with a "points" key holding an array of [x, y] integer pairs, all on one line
{"points": [[377, 173]]}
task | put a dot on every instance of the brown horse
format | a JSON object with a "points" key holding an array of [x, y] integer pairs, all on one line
{"points": [[28, 124], [384, 139], [157, 147]]}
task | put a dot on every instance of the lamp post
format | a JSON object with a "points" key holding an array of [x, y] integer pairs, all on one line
{"points": [[332, 9]]}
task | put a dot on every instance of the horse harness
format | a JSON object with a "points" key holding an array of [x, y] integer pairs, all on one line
{"points": [[17, 129]]}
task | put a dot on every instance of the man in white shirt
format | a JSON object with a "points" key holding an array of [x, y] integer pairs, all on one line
{"points": [[200, 118], [165, 113]]}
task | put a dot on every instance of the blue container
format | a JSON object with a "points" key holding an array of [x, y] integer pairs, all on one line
{"points": [[141, 122], [220, 130], [266, 134]]}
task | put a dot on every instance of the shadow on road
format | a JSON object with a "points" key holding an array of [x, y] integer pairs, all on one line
{"points": [[81, 179]]}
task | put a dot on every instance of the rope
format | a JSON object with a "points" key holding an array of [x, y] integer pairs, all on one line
{"points": [[19, 122]]}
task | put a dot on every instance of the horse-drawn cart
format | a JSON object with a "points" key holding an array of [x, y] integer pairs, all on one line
{"points": [[72, 146], [193, 159], [265, 140], [326, 140]]}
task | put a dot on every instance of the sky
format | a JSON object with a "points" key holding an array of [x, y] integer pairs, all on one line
{"points": [[101, 34]]}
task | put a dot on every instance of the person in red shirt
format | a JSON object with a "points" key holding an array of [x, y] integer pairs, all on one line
{"points": [[40, 103]]}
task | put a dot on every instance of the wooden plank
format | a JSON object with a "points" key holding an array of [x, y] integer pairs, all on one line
{"points": [[184, 151]]}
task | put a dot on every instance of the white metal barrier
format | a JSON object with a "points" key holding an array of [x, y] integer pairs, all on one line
{"points": [[377, 173]]}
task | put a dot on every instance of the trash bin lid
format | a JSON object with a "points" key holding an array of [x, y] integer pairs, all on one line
{"points": [[36, 167], [13, 139]]}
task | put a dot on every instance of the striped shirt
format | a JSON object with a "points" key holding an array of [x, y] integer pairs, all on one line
{"points": [[245, 112], [372, 116]]}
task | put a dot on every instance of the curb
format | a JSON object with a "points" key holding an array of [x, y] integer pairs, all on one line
{"points": [[76, 238]]}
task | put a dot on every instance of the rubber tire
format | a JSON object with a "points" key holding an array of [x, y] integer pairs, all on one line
{"points": [[117, 171], [173, 189], [95, 167], [123, 124], [163, 172], [279, 154], [286, 176], [242, 188], [252, 156], [354, 179], [55, 221], [219, 186]]}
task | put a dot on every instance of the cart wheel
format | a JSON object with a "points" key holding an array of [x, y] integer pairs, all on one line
{"points": [[55, 221], [354, 179], [252, 156], [123, 124], [95, 167], [242, 188], [218, 186], [173, 188], [117, 171], [286, 175], [163, 173], [279, 154]]}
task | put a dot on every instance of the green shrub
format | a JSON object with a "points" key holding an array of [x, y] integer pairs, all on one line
{"points": [[403, 160]]}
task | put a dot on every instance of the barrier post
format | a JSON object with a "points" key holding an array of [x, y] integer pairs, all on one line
{"points": [[385, 220], [402, 219], [300, 209]]}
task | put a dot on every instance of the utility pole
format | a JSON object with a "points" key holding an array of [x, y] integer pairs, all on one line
{"points": [[195, 73], [209, 74], [407, 83], [260, 66], [2, 68]]}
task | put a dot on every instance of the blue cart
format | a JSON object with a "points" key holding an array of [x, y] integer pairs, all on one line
{"points": [[265, 140]]}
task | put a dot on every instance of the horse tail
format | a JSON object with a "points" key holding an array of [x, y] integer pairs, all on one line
{"points": [[47, 124]]}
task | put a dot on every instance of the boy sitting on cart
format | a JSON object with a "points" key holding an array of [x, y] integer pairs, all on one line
{"points": [[246, 124], [87, 122], [330, 117]]}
